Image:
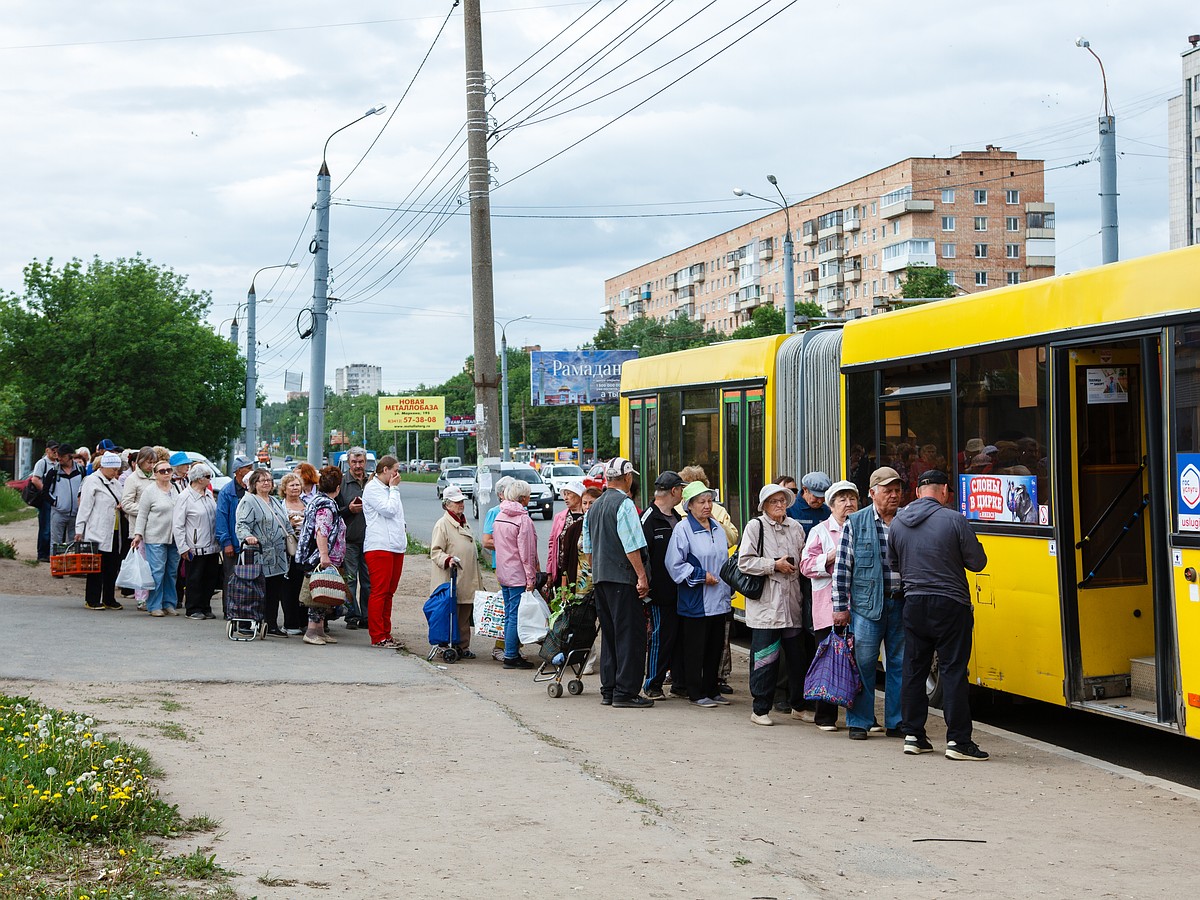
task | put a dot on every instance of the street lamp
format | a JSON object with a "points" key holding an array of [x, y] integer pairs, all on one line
{"points": [[506, 447], [1108, 169], [320, 250], [252, 362], [789, 279]]}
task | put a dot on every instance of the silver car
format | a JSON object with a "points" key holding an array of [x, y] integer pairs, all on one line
{"points": [[462, 477]]}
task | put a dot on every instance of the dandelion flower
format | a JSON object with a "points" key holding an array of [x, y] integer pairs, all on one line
{"points": [[51, 771]]}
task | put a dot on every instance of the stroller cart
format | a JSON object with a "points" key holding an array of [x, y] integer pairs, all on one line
{"points": [[567, 645], [441, 612], [244, 599]]}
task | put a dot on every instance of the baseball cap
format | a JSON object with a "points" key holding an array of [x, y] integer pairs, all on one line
{"points": [[618, 466], [839, 487], [667, 480], [240, 462], [817, 483], [106, 444], [932, 476], [884, 475], [453, 494]]}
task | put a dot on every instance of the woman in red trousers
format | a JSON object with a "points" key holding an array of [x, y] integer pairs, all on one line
{"points": [[383, 548]]}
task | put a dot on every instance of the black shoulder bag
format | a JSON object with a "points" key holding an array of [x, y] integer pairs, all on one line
{"points": [[749, 586]]}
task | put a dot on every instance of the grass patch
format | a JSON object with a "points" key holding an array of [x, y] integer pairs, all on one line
{"points": [[17, 515], [739, 861], [410, 477], [170, 705], [172, 730], [415, 545], [78, 814], [625, 788], [10, 500], [7, 550]]}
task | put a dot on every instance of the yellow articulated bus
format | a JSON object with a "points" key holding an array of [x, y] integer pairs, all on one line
{"points": [[1067, 413]]}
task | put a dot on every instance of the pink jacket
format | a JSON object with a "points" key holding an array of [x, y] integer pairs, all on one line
{"points": [[823, 537], [516, 546]]}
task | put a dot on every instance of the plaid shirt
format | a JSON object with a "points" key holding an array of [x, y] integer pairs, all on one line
{"points": [[843, 566]]}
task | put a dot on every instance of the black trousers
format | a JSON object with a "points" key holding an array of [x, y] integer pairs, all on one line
{"points": [[100, 588], [203, 578], [623, 648], [294, 615], [768, 648], [272, 595], [942, 625], [703, 641], [660, 643]]}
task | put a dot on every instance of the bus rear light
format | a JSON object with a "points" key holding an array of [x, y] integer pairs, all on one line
{"points": [[1194, 700]]}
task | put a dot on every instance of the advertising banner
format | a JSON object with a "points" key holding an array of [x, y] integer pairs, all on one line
{"points": [[412, 413], [1187, 490], [577, 377], [1107, 385], [1001, 498], [459, 426]]}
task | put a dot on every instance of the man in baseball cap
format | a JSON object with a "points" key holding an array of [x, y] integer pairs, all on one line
{"points": [[619, 467]]}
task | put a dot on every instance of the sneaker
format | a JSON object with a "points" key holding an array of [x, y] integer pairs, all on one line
{"points": [[209, 615], [706, 703], [352, 624], [294, 631], [720, 700], [170, 610], [517, 662], [605, 701], [827, 726], [655, 694], [197, 616], [764, 719], [98, 606], [893, 732], [804, 715], [141, 604], [157, 613], [858, 734], [876, 728], [965, 750], [112, 604], [915, 745], [680, 692], [385, 644], [465, 654], [632, 703]]}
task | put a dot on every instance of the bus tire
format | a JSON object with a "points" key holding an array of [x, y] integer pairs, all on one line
{"points": [[933, 684]]}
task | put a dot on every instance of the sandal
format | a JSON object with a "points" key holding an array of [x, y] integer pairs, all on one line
{"points": [[465, 654]]}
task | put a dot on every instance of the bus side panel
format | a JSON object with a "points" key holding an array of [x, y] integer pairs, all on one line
{"points": [[1018, 623], [1187, 624]]}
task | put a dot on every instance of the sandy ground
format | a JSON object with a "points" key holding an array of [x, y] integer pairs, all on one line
{"points": [[346, 771]]}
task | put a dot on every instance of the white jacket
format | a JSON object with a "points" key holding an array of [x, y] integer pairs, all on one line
{"points": [[96, 519], [385, 518]]}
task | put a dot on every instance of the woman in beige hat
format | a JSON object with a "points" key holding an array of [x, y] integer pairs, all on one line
{"points": [[452, 550]]}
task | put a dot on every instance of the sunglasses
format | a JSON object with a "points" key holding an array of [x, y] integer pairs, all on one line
{"points": [[162, 471]]}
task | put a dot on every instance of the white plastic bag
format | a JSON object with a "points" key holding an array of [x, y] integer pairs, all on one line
{"points": [[489, 614], [135, 574], [533, 618]]}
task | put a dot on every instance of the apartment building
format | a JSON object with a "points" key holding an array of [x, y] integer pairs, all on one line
{"points": [[358, 379], [981, 215], [1183, 165]]}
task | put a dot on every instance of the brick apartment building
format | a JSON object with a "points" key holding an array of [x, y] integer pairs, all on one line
{"points": [[1183, 163], [982, 215]]}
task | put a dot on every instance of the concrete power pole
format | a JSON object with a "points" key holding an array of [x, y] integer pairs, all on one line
{"points": [[316, 379], [1109, 243], [483, 307]]}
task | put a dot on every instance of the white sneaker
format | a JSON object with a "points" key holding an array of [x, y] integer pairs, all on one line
{"points": [[761, 720]]}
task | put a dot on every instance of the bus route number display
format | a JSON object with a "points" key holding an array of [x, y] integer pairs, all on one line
{"points": [[412, 413]]}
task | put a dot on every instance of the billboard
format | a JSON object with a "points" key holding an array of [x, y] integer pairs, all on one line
{"points": [[576, 377], [1001, 498], [459, 426], [412, 413]]}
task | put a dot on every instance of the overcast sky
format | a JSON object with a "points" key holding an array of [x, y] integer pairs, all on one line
{"points": [[193, 134]]}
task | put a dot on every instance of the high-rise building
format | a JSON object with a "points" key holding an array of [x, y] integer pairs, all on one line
{"points": [[357, 379], [1183, 164], [981, 215]]}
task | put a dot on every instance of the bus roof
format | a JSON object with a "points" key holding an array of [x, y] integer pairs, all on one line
{"points": [[1140, 288], [753, 358]]}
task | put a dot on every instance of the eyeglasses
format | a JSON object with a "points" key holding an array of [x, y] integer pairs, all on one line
{"points": [[162, 471]]}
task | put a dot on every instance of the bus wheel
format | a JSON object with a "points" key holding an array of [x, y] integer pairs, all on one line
{"points": [[933, 684]]}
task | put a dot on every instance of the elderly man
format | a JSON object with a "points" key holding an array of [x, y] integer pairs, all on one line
{"points": [[809, 508], [63, 484], [41, 470], [358, 579], [932, 547], [658, 521], [227, 502], [614, 537], [867, 596]]}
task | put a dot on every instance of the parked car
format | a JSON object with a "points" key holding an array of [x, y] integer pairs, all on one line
{"points": [[559, 474], [219, 479], [450, 462], [428, 465], [541, 497], [462, 477]]}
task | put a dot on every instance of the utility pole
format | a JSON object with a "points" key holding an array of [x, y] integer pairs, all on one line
{"points": [[316, 378], [1109, 239], [233, 339], [479, 173]]}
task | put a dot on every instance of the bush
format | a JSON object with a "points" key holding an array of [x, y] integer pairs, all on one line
{"points": [[7, 550], [10, 500]]}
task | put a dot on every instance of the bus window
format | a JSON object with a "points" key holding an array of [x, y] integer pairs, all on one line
{"points": [[670, 454], [637, 412], [861, 443], [700, 435], [1186, 392], [915, 422]]}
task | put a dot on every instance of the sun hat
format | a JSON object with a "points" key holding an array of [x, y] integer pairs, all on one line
{"points": [[575, 487], [110, 461], [884, 475], [693, 490], [770, 490], [619, 466], [453, 494], [839, 487], [974, 446], [179, 458]]}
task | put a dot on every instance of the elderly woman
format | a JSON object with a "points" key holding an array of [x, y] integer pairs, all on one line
{"points": [[99, 520], [181, 464], [328, 531], [383, 548], [820, 553], [772, 545], [309, 478], [697, 550], [153, 532], [294, 617], [452, 550], [516, 564], [562, 562], [261, 523], [139, 478], [194, 523]]}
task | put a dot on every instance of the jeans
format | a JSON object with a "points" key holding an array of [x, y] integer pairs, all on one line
{"points": [[868, 635], [512, 602], [164, 563], [43, 541], [942, 624], [358, 582]]}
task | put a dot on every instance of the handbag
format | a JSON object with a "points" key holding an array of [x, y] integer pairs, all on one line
{"points": [[489, 614], [324, 589], [833, 676], [32, 494], [749, 586], [290, 542]]}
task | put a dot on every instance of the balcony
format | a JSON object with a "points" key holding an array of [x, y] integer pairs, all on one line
{"points": [[635, 308], [766, 248], [830, 248], [808, 233], [697, 272], [607, 309], [685, 311], [905, 206], [1039, 220], [669, 282], [913, 252], [1039, 251], [733, 261], [685, 294], [851, 224], [853, 270], [625, 296], [830, 279]]}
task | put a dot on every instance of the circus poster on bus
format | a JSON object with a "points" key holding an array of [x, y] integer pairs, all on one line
{"points": [[1009, 499]]}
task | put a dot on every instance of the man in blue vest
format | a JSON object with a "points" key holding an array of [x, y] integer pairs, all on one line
{"points": [[867, 596]]}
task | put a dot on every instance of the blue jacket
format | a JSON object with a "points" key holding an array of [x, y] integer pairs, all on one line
{"points": [[227, 503], [692, 552]]}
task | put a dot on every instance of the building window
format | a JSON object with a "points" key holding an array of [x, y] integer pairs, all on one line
{"points": [[981, 197], [981, 251], [1012, 251], [950, 278], [1012, 197], [947, 223], [1012, 223], [1013, 277], [874, 207], [948, 251], [873, 230], [981, 223], [981, 279], [896, 282], [947, 195]]}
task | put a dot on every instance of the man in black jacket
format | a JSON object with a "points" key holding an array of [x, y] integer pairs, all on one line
{"points": [[932, 546], [658, 521], [358, 580]]}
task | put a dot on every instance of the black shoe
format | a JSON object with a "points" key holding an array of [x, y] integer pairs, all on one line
{"points": [[914, 745], [112, 604], [209, 615], [893, 732], [98, 606], [682, 692], [196, 615], [43, 559], [655, 694], [352, 623], [277, 632], [965, 750], [517, 662], [633, 703], [858, 734], [724, 688], [606, 701]]}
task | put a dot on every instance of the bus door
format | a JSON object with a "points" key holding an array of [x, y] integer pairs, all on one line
{"points": [[1109, 444], [643, 445], [743, 447]]}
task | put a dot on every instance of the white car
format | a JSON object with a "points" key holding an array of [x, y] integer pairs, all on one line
{"points": [[219, 480], [559, 474], [541, 498]]}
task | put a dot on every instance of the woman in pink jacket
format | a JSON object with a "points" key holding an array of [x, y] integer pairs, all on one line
{"points": [[820, 551], [516, 565]]}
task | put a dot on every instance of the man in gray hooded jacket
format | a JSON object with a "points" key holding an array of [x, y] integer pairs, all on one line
{"points": [[932, 546]]}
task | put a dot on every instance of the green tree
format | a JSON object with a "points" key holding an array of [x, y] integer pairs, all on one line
{"points": [[118, 350], [925, 282], [765, 320]]}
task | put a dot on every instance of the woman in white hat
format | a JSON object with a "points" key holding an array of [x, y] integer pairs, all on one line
{"points": [[771, 547], [99, 520], [562, 561], [451, 550]]}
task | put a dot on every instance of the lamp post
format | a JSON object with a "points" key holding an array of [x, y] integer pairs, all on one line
{"points": [[1108, 169], [789, 278], [320, 249], [506, 448], [252, 362]]}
